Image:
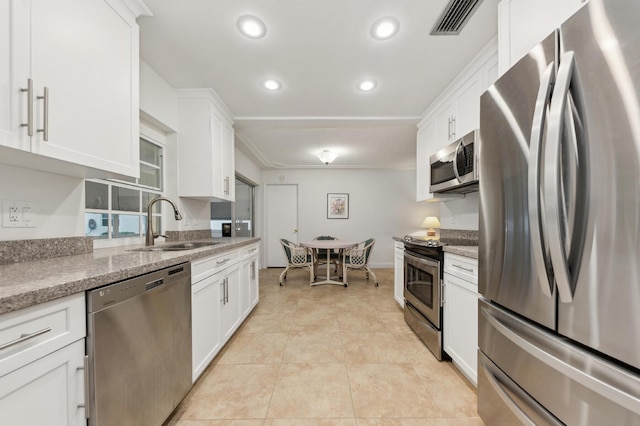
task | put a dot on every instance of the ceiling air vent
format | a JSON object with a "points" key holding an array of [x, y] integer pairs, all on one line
{"points": [[454, 17]]}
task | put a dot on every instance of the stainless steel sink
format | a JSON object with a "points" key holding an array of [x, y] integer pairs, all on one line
{"points": [[179, 246]]}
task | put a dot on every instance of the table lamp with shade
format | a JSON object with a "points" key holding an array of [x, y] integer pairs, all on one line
{"points": [[431, 223]]}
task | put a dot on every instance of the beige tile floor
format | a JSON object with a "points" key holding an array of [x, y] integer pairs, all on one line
{"points": [[327, 355]]}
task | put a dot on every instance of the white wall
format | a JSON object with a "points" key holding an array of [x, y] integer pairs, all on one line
{"points": [[381, 205], [158, 104], [59, 201], [460, 214], [247, 168]]}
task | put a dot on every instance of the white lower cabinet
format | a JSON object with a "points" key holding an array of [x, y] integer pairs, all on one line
{"points": [[249, 273], [48, 391], [461, 313], [223, 293], [42, 353], [398, 273], [231, 308], [206, 331]]}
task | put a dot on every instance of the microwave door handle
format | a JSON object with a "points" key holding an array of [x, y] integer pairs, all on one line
{"points": [[540, 255], [552, 178], [455, 161]]}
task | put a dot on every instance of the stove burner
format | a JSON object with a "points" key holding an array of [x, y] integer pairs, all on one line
{"points": [[423, 241]]}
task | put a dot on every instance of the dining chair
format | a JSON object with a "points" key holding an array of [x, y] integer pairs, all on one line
{"points": [[320, 255], [297, 257], [358, 258]]}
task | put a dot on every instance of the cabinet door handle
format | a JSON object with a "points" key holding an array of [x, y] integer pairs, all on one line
{"points": [[253, 270], [462, 267], [226, 185], [45, 127], [223, 292], [449, 128], [24, 337], [29, 123], [87, 400], [453, 125], [226, 284]]}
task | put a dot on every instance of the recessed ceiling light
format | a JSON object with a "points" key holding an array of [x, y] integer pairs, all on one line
{"points": [[385, 28], [367, 85], [272, 84], [251, 26]]}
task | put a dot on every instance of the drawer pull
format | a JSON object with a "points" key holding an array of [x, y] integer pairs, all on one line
{"points": [[25, 337], [222, 262], [462, 267], [252, 250]]}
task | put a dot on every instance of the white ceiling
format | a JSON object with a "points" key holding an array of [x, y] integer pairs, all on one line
{"points": [[319, 50]]}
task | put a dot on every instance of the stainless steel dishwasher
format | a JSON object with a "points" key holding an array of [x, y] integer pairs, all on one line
{"points": [[139, 347]]}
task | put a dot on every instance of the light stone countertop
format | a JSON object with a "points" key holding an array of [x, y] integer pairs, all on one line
{"points": [[468, 251], [30, 283]]}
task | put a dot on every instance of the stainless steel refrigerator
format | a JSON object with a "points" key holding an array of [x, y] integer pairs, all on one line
{"points": [[559, 258]]}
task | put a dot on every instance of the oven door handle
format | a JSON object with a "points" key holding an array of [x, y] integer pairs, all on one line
{"points": [[422, 260]]}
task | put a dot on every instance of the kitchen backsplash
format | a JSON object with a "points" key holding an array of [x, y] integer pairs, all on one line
{"points": [[16, 251], [194, 234]]}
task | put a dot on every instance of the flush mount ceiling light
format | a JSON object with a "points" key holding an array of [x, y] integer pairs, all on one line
{"points": [[327, 156], [272, 84], [385, 28], [251, 26], [367, 85]]}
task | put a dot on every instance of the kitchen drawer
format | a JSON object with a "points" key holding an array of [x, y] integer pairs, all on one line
{"points": [[203, 268], [52, 325], [248, 251], [461, 267]]}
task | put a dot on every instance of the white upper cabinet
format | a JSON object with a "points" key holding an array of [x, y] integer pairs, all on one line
{"points": [[426, 146], [455, 113], [79, 58], [206, 167], [524, 23]]}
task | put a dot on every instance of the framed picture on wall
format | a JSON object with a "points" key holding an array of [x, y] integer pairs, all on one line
{"points": [[337, 206]]}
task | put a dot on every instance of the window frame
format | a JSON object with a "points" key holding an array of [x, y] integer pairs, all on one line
{"points": [[233, 219], [114, 241]]}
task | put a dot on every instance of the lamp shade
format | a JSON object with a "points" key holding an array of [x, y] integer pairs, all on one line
{"points": [[327, 156], [430, 222]]}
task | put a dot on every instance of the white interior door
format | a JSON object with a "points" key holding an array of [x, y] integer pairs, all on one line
{"points": [[282, 221]]}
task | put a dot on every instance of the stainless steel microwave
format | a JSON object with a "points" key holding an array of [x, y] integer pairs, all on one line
{"points": [[454, 168]]}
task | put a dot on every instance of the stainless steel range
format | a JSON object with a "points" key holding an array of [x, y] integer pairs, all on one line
{"points": [[423, 270]]}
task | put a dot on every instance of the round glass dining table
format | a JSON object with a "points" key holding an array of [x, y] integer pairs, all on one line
{"points": [[329, 245]]}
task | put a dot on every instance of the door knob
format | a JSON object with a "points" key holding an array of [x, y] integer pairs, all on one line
{"points": [[295, 231]]}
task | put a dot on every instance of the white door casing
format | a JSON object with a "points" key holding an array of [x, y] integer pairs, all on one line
{"points": [[281, 221]]}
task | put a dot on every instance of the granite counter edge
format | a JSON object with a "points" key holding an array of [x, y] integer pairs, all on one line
{"points": [[467, 251], [27, 298]]}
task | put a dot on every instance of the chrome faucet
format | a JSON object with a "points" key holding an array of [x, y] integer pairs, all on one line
{"points": [[150, 237]]}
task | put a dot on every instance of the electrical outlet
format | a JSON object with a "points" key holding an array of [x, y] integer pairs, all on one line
{"points": [[18, 214], [13, 213]]}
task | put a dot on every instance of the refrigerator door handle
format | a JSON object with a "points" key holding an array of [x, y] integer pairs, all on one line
{"points": [[559, 258], [608, 387], [499, 388], [536, 225]]}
